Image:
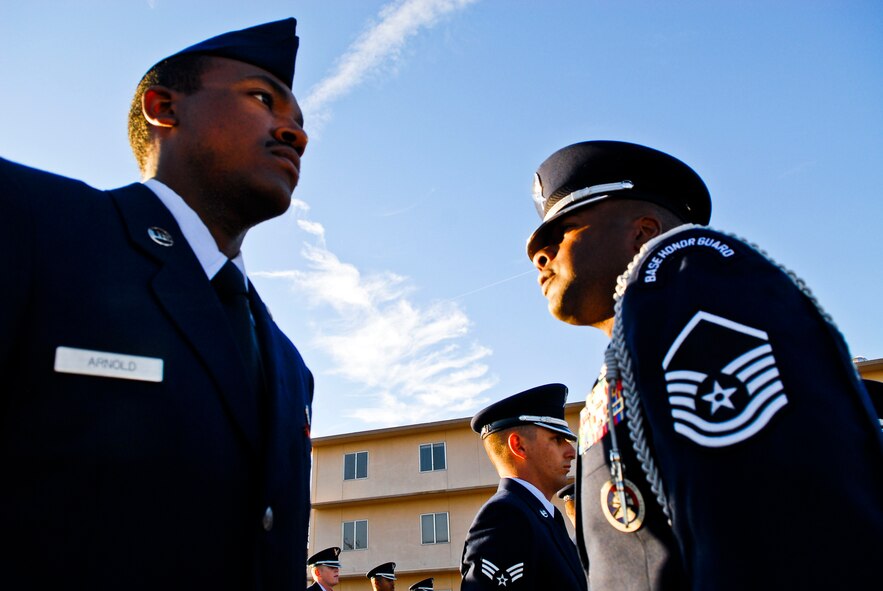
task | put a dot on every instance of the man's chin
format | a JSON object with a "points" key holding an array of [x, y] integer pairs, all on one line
{"points": [[559, 313]]}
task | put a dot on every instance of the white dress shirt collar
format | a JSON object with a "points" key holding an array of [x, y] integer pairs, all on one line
{"points": [[536, 492], [196, 233]]}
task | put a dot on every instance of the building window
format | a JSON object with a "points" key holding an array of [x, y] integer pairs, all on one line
{"points": [[432, 457], [434, 528], [355, 535], [355, 465]]}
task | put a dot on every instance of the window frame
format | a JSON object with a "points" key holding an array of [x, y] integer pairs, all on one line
{"points": [[356, 455], [434, 516], [431, 446], [355, 547]]}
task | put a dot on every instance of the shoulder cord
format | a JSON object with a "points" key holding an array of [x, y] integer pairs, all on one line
{"points": [[619, 362]]}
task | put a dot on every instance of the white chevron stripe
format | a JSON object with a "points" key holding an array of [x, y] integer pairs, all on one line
{"points": [[738, 362], [738, 436]]}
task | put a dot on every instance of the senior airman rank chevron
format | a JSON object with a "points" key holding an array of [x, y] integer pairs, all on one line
{"points": [[726, 394], [502, 576]]}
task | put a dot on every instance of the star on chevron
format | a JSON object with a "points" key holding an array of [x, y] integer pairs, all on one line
{"points": [[502, 580], [719, 397]]}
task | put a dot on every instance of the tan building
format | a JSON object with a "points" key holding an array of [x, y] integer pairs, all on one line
{"points": [[870, 369], [404, 494]]}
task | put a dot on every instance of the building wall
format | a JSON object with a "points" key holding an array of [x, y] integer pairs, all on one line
{"points": [[871, 369], [393, 464]]}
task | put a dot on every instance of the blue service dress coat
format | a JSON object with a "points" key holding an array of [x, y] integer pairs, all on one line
{"points": [[515, 543], [742, 422], [188, 482]]}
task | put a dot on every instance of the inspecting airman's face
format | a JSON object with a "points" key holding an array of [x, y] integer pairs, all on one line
{"points": [[582, 255]]}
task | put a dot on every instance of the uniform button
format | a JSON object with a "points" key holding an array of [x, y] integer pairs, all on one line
{"points": [[267, 521]]}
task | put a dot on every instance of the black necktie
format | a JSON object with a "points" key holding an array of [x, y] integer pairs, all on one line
{"points": [[233, 294]]}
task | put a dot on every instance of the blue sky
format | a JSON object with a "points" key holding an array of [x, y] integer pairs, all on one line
{"points": [[400, 270]]}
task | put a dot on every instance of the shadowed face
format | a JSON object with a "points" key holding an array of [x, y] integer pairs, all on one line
{"points": [[237, 143], [383, 584], [581, 256]]}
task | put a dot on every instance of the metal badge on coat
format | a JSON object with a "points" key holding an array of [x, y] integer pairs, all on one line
{"points": [[160, 236], [629, 521]]}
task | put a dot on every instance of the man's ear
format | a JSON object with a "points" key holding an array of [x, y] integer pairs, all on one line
{"points": [[516, 445], [158, 106], [646, 228]]}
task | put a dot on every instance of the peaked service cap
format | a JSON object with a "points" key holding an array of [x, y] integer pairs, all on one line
{"points": [[326, 557], [270, 46], [424, 585], [387, 570], [587, 172], [542, 406], [567, 492]]}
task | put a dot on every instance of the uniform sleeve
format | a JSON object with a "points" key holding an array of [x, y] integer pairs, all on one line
{"points": [[499, 551], [753, 416]]}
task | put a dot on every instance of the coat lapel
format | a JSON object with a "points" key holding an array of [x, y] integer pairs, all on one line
{"points": [[185, 293], [276, 393], [556, 532]]}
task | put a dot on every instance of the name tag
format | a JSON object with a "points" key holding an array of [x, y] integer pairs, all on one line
{"points": [[108, 365]]}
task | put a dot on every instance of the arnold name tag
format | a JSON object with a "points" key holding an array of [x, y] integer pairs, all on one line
{"points": [[108, 365]]}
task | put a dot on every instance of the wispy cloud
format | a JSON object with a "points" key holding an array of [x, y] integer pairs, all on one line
{"points": [[797, 169], [373, 50], [413, 362]]}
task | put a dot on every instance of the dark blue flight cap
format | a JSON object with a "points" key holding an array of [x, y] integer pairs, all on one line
{"points": [[588, 172], [326, 557], [542, 406], [387, 570], [424, 585], [271, 46]]}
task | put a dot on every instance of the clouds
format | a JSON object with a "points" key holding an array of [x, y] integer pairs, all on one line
{"points": [[374, 49], [412, 362]]}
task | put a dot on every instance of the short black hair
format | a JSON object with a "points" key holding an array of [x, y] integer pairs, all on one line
{"points": [[183, 74]]}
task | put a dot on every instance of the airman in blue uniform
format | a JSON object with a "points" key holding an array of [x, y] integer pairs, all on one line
{"points": [[325, 568], [518, 539], [155, 422], [728, 443]]}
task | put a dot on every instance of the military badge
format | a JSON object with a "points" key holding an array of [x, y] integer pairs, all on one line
{"points": [[502, 576], [723, 394], [160, 236], [630, 519]]}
